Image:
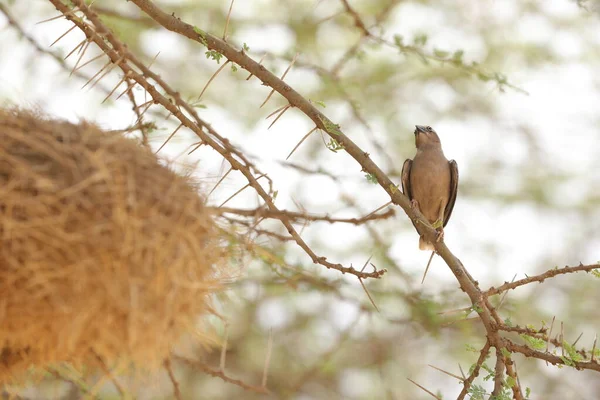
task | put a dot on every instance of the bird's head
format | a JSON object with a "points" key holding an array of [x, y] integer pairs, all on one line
{"points": [[425, 136]]}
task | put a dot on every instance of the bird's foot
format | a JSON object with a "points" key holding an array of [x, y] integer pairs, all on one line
{"points": [[440, 235]]}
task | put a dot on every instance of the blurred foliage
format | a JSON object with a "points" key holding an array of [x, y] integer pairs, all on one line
{"points": [[454, 64]]}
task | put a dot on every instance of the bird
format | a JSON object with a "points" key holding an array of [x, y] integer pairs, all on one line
{"points": [[430, 182]]}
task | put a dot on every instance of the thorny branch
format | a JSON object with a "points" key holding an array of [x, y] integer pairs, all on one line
{"points": [[172, 102], [121, 56]]}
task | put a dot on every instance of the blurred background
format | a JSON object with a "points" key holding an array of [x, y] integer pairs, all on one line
{"points": [[510, 86]]}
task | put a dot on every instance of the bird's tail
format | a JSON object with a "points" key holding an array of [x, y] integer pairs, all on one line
{"points": [[425, 245]]}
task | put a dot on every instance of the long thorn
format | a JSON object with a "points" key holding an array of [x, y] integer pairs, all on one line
{"points": [[301, 141], [282, 77], [377, 209], [447, 373], [75, 48], [227, 21], [224, 349], [549, 334], [212, 77], [115, 88], [81, 53], [169, 138], [267, 360], [119, 61], [219, 182], [427, 268], [280, 114], [57, 17], [239, 191], [259, 62], [276, 111], [594, 348], [97, 73], [63, 35], [425, 390]]}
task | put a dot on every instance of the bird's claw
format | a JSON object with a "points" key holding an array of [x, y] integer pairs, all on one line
{"points": [[414, 204], [440, 235]]}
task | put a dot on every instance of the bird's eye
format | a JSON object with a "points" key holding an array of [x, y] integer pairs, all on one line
{"points": [[429, 128]]}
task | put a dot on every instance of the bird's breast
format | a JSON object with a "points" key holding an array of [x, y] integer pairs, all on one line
{"points": [[430, 182]]}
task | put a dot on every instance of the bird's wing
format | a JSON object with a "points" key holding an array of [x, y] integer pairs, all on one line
{"points": [[453, 190], [406, 189]]}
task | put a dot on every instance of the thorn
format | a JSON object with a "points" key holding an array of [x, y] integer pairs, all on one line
{"points": [[97, 73], [219, 182], [282, 78], [197, 146], [75, 49], [224, 349], [154, 59], [276, 111], [267, 359], [58, 16], [227, 21], [422, 388], [63, 35], [427, 268], [259, 63], [377, 210], [115, 88], [301, 141], [167, 141], [119, 61], [212, 77], [280, 114], [447, 373]]}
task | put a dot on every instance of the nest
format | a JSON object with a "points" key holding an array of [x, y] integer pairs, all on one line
{"points": [[105, 254]]}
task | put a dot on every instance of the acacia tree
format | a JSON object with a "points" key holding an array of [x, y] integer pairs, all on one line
{"points": [[314, 206]]}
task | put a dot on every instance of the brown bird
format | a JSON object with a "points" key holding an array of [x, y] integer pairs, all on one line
{"points": [[431, 182]]}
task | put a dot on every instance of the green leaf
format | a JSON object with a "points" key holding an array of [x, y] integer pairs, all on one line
{"points": [[457, 57], [371, 178], [441, 53], [330, 127], [334, 145], [201, 35], [534, 343], [420, 40], [215, 55], [399, 41]]}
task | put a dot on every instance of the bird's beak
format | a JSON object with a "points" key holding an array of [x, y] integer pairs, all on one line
{"points": [[420, 128]]}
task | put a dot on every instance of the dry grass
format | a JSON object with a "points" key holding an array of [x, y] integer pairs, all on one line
{"points": [[103, 251]]}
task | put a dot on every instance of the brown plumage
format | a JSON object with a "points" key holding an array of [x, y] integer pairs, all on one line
{"points": [[430, 181]]}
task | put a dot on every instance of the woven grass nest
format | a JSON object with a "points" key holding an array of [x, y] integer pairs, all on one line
{"points": [[104, 253]]}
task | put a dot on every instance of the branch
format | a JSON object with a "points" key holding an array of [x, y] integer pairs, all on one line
{"points": [[540, 278], [121, 56], [291, 215]]}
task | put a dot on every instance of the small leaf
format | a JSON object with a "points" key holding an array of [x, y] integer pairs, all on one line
{"points": [[420, 40], [441, 53], [371, 178]]}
